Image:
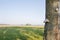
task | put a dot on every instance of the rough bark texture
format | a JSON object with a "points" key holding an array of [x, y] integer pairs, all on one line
{"points": [[51, 31]]}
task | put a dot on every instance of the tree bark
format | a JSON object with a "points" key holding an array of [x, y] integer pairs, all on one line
{"points": [[51, 30]]}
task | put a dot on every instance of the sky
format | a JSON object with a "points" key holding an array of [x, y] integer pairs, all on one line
{"points": [[22, 12]]}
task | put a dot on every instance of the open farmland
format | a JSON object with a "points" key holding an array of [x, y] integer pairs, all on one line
{"points": [[21, 33]]}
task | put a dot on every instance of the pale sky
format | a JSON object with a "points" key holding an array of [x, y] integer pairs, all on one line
{"points": [[22, 12]]}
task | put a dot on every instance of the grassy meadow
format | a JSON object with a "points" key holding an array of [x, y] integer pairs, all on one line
{"points": [[21, 33]]}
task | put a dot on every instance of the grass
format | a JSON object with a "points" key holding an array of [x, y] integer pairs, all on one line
{"points": [[21, 33]]}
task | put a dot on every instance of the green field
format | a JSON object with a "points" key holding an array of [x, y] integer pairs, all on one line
{"points": [[21, 33]]}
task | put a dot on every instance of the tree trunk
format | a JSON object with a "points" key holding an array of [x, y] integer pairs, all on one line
{"points": [[51, 31]]}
